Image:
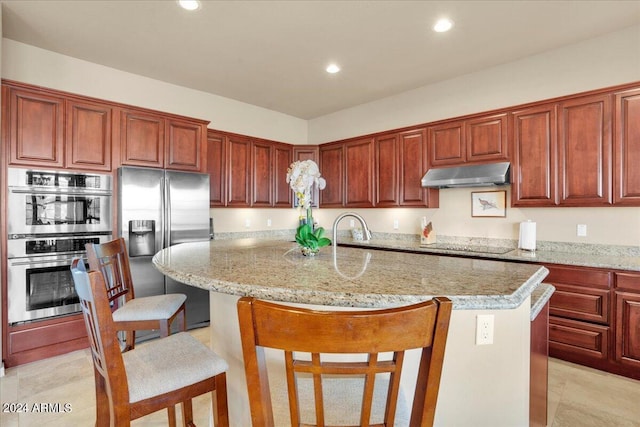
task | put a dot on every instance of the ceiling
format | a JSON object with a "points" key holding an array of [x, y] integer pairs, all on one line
{"points": [[273, 53]]}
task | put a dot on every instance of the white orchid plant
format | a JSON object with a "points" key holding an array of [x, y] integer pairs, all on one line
{"points": [[301, 176]]}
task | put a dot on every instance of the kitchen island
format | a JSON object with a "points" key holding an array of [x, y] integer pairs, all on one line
{"points": [[482, 385]]}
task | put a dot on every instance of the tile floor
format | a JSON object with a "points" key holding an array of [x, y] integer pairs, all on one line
{"points": [[578, 396]]}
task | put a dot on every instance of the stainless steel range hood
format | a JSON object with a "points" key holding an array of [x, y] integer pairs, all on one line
{"points": [[468, 176]]}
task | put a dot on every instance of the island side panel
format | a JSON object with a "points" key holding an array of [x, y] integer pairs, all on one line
{"points": [[481, 385]]}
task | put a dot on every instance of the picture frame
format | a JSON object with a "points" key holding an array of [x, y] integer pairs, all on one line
{"points": [[489, 204]]}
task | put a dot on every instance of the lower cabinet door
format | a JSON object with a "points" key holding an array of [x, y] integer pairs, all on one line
{"points": [[628, 329]]}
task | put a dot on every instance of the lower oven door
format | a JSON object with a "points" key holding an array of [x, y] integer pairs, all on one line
{"points": [[40, 287]]}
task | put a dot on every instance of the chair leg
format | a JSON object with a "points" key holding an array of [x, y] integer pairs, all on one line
{"points": [[164, 328], [171, 412], [130, 340], [103, 410], [182, 320], [219, 402], [187, 414]]}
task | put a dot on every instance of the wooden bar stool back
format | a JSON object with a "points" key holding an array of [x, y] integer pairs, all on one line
{"points": [[157, 375], [147, 313], [370, 332]]}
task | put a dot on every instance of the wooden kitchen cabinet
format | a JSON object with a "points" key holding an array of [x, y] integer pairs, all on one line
{"points": [[216, 168], [358, 171], [155, 140], [584, 145], [34, 127], [184, 149], [88, 135], [475, 140], [412, 167], [331, 163], [142, 139], [626, 174], [534, 156], [486, 138], [238, 171], [387, 163], [261, 174], [282, 159], [627, 350], [446, 142], [580, 321]]}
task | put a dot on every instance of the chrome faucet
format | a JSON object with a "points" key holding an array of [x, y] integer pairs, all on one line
{"points": [[366, 234]]}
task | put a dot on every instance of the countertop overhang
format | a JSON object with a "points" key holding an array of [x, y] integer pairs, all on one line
{"points": [[359, 277]]}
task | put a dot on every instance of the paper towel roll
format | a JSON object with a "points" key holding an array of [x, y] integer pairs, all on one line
{"points": [[527, 239]]}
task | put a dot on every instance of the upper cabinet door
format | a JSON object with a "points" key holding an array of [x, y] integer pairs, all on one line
{"points": [[238, 171], [413, 166], [262, 173], [584, 142], [487, 138], [359, 162], [331, 167], [386, 172], [534, 159], [142, 139], [282, 159], [88, 138], [447, 144], [184, 145], [216, 168], [626, 176], [34, 128]]}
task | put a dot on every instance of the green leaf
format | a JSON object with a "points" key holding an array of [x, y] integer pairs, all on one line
{"points": [[323, 241]]}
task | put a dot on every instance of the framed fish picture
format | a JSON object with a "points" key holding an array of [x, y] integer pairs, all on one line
{"points": [[489, 203]]}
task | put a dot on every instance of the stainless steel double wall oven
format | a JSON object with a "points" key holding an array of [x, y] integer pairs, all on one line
{"points": [[51, 216]]}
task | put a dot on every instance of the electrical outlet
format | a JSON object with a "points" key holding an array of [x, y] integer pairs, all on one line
{"points": [[582, 230], [268, 222], [352, 223], [484, 329], [396, 224], [247, 223]]}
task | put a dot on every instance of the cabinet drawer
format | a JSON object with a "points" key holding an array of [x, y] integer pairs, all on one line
{"points": [[577, 302], [577, 338], [628, 281], [579, 276]]}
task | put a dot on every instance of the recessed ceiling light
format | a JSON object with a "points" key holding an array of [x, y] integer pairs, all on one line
{"points": [[443, 25], [189, 4], [332, 69]]}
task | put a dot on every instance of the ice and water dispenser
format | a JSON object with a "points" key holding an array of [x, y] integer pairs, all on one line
{"points": [[142, 237]]}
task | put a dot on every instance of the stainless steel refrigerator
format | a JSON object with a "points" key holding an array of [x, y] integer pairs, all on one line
{"points": [[157, 209]]}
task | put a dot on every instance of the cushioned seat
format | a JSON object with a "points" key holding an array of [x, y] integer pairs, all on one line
{"points": [[133, 314], [189, 359], [156, 375], [150, 308]]}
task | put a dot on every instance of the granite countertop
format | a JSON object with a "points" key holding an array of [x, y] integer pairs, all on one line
{"points": [[358, 277], [567, 254]]}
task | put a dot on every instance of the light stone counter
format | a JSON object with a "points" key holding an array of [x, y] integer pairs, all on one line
{"points": [[362, 278], [358, 277]]}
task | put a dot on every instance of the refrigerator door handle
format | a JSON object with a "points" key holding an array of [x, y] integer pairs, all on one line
{"points": [[163, 210], [167, 189]]}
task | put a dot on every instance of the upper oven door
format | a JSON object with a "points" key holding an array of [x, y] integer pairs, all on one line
{"points": [[48, 202], [43, 213]]}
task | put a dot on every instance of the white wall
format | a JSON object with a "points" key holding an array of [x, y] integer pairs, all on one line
{"points": [[29, 64], [605, 61]]}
